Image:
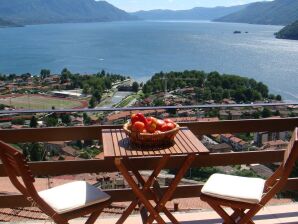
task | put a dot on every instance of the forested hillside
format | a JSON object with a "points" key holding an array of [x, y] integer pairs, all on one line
{"points": [[278, 12], [59, 11], [289, 32], [210, 85]]}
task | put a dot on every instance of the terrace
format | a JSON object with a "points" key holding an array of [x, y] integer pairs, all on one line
{"points": [[271, 214]]}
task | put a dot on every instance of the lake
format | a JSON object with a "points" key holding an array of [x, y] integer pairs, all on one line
{"points": [[141, 48]]}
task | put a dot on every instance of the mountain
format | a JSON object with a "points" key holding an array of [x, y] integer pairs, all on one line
{"points": [[5, 23], [289, 32], [278, 12], [198, 13], [60, 11]]}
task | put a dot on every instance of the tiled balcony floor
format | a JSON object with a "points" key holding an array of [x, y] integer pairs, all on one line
{"points": [[278, 214], [275, 214]]}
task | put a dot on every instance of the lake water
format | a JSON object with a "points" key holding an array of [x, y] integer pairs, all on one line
{"points": [[141, 48]]}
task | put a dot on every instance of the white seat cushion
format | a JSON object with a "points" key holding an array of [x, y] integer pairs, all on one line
{"points": [[243, 189], [71, 196]]}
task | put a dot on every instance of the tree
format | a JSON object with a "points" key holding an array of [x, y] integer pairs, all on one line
{"points": [[96, 94], [18, 121], [278, 97], [51, 121], [65, 118], [2, 106], [86, 89], [266, 113], [135, 86], [44, 73], [86, 119], [34, 151], [65, 75], [33, 122], [92, 102], [79, 144]]}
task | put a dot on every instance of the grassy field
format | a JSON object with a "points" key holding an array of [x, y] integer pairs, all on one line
{"points": [[40, 102]]}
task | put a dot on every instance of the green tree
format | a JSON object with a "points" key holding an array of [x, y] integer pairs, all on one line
{"points": [[2, 106], [92, 102], [86, 119], [33, 122], [65, 75], [96, 94], [135, 86], [18, 121], [44, 73], [65, 118], [34, 151], [266, 113], [51, 121], [245, 173], [86, 89], [278, 97]]}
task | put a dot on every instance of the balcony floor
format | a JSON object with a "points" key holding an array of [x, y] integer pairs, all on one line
{"points": [[277, 214]]}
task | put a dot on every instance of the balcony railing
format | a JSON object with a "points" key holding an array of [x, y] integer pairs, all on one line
{"points": [[119, 195]]}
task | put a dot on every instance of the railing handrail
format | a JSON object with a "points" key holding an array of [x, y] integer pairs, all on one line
{"points": [[111, 109]]}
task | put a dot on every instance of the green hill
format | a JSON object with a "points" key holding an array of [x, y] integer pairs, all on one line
{"points": [[210, 86], [198, 13], [278, 12], [60, 11], [289, 32]]}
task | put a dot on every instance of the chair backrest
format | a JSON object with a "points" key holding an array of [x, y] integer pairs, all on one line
{"points": [[15, 165], [291, 153], [275, 183]]}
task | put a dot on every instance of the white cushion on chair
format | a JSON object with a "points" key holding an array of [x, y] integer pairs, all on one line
{"points": [[71, 196], [243, 189]]}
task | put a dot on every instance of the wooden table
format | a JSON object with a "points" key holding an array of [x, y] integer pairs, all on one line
{"points": [[117, 146]]}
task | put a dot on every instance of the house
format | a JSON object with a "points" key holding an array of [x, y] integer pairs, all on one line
{"points": [[228, 101], [219, 148], [277, 144], [261, 137], [235, 114], [235, 142], [224, 115], [225, 138]]}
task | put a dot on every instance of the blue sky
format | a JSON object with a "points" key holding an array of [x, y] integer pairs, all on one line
{"points": [[135, 5]]}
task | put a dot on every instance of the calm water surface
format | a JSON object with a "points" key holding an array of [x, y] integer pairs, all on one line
{"points": [[140, 49]]}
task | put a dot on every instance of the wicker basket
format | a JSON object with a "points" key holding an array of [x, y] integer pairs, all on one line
{"points": [[148, 139]]}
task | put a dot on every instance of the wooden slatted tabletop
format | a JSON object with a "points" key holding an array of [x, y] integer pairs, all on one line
{"points": [[116, 144]]}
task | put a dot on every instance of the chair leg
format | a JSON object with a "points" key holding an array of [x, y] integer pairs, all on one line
{"points": [[59, 220], [239, 214], [247, 219], [227, 219], [93, 217]]}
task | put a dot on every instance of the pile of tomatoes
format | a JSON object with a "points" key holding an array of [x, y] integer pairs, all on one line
{"points": [[141, 124]]}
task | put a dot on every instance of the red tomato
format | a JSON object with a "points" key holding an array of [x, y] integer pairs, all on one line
{"points": [[168, 120], [142, 118], [134, 118], [138, 126], [159, 124], [153, 119], [167, 127], [151, 126], [171, 125]]}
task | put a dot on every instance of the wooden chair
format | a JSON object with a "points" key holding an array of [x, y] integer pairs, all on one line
{"points": [[246, 196], [60, 203]]}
